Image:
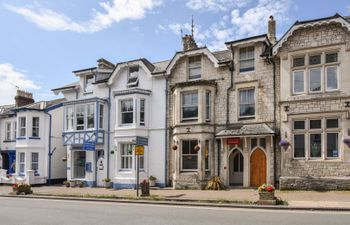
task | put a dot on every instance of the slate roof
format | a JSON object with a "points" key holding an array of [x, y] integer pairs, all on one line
{"points": [[68, 86], [222, 56], [160, 67], [247, 130]]}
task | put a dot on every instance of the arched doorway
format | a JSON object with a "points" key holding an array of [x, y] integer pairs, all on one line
{"points": [[236, 168], [257, 168]]}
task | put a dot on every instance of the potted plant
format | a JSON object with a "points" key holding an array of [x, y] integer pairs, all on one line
{"points": [[266, 192], [144, 188], [197, 148], [347, 141], [67, 183], [106, 182], [22, 188], [152, 181], [174, 147], [80, 184], [284, 144]]}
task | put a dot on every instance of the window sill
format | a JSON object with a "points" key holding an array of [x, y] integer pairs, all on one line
{"points": [[88, 92], [9, 141], [21, 138], [247, 118], [34, 138]]}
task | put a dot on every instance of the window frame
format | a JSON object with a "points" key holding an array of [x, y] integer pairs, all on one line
{"points": [[90, 114], [193, 66], [123, 158], [142, 112], [8, 131], [33, 163], [136, 76], [240, 103], [246, 69], [321, 80], [207, 106], [183, 119], [69, 117], [88, 84], [293, 82], [21, 163], [35, 127], [101, 111], [188, 155], [128, 111], [22, 128], [326, 78]]}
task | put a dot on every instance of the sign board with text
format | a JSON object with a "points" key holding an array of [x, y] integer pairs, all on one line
{"points": [[139, 150], [233, 141]]}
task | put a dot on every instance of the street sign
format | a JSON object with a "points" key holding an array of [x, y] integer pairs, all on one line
{"points": [[141, 141], [89, 146], [139, 150]]}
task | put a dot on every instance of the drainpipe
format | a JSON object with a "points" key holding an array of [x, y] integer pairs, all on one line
{"points": [[108, 128], [275, 122], [231, 68], [166, 131], [50, 153]]}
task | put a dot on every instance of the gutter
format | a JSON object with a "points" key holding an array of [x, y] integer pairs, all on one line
{"points": [[108, 128], [231, 68], [166, 130], [50, 153]]}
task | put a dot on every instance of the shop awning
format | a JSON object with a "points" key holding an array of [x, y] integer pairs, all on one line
{"points": [[247, 130]]}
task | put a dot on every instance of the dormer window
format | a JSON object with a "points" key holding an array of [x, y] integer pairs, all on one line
{"points": [[246, 59], [89, 79], [133, 78], [194, 65]]}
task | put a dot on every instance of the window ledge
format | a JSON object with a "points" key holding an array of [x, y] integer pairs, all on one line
{"points": [[87, 92], [34, 138], [21, 138], [9, 141], [247, 118]]}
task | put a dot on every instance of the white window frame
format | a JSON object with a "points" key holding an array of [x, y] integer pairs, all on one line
{"points": [[208, 106], [90, 114], [326, 78], [307, 131], [135, 75], [193, 66], [192, 105], [22, 128], [321, 80], [35, 164], [101, 111], [36, 126], [126, 158], [293, 81], [182, 155], [14, 130], [8, 131], [88, 85], [70, 118], [21, 163], [240, 103], [143, 123], [80, 106], [246, 59], [128, 111]]}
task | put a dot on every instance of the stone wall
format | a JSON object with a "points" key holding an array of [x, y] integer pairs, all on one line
{"points": [[315, 183]]}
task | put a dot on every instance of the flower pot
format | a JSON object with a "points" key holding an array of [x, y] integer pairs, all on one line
{"points": [[174, 147], [267, 195], [107, 184], [197, 148]]}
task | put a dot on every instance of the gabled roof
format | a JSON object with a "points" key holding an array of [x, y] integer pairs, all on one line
{"points": [[66, 87], [215, 58], [247, 130], [262, 37], [344, 21], [41, 106], [160, 67]]}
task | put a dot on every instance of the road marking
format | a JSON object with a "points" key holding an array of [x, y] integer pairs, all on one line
{"points": [[291, 211]]}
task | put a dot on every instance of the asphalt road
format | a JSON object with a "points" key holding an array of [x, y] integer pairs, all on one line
{"points": [[52, 212]]}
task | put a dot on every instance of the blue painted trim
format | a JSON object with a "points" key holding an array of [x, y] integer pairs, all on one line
{"points": [[53, 107], [90, 183], [161, 185], [34, 138], [21, 138]]}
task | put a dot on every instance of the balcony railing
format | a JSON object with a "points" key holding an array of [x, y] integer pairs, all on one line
{"points": [[79, 137]]}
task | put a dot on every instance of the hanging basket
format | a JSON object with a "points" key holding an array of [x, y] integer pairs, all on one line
{"points": [[174, 147], [197, 148], [284, 144], [347, 141]]}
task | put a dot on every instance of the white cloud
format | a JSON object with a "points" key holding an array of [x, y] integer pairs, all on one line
{"points": [[10, 77], [112, 12], [239, 24], [216, 5]]}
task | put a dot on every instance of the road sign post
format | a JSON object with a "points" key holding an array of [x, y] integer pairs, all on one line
{"points": [[139, 150]]}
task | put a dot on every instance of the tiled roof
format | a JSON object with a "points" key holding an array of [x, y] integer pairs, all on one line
{"points": [[247, 130], [160, 66], [223, 56], [41, 105], [68, 86]]}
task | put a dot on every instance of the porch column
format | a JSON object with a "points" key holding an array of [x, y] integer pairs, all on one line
{"points": [[246, 164], [69, 163]]}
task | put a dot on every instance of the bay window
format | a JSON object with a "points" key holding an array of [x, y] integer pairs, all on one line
{"points": [[35, 162], [332, 78], [189, 155], [69, 117], [126, 155], [142, 112], [315, 80], [21, 163], [207, 105], [298, 81], [189, 106], [100, 116]]}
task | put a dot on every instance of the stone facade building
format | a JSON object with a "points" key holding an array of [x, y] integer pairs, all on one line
{"points": [[314, 102]]}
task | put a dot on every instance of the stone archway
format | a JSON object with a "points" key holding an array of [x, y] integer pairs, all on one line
{"points": [[236, 168], [257, 168]]}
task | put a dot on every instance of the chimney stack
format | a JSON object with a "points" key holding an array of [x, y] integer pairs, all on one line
{"points": [[23, 98], [271, 33], [188, 42]]}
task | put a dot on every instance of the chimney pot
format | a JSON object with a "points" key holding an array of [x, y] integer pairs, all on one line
{"points": [[23, 98], [271, 33]]}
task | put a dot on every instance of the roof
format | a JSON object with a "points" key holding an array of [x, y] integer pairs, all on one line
{"points": [[344, 21], [247, 39], [68, 86], [42, 105], [247, 130], [223, 56], [6, 109], [160, 67]]}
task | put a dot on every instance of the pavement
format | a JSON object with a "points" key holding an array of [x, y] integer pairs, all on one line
{"points": [[338, 200]]}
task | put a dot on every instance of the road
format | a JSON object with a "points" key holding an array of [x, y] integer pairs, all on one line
{"points": [[52, 212]]}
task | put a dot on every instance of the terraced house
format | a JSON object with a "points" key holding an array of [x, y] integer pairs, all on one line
{"points": [[107, 110], [314, 99], [30, 141]]}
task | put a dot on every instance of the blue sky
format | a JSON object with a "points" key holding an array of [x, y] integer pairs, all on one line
{"points": [[42, 41]]}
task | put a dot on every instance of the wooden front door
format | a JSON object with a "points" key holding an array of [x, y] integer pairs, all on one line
{"points": [[257, 168]]}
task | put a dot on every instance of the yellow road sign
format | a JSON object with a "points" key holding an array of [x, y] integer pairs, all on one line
{"points": [[139, 150]]}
